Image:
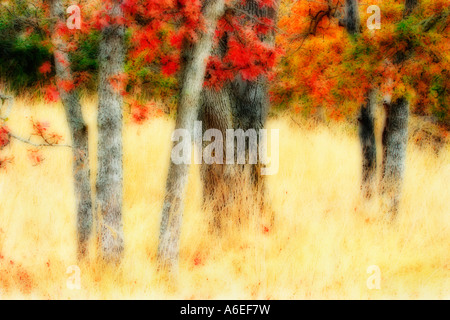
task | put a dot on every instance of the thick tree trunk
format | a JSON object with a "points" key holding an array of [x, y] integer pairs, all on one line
{"points": [[215, 113], [110, 167], [247, 103], [79, 134], [217, 178], [395, 138], [194, 69], [368, 144], [251, 108], [251, 98]]}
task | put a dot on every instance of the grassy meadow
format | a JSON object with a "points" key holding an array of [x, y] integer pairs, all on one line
{"points": [[321, 245]]}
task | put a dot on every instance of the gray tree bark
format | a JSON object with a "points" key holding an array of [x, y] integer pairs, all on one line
{"points": [[368, 144], [395, 138], [193, 74], [352, 19], [366, 120], [216, 113], [9, 101], [251, 98], [110, 168], [242, 105], [217, 178], [79, 134]]}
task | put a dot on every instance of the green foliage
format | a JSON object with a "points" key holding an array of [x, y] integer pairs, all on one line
{"points": [[439, 89], [21, 50]]}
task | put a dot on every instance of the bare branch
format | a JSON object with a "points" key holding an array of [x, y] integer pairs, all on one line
{"points": [[38, 145]]}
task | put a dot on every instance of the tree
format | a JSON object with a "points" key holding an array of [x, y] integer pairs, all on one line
{"points": [[345, 72], [242, 100], [78, 128], [110, 168], [395, 135], [366, 119], [195, 57], [45, 27], [366, 122]]}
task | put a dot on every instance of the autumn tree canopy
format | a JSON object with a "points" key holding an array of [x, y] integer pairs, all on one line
{"points": [[324, 66]]}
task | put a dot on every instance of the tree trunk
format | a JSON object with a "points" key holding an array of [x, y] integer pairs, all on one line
{"points": [[247, 103], [410, 6], [194, 69], [366, 114], [395, 138], [368, 144], [251, 98], [251, 108], [110, 167], [79, 134], [352, 20], [216, 113], [217, 178]]}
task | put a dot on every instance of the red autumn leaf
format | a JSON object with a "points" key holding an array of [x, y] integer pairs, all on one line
{"points": [[176, 40], [66, 85], [266, 3], [169, 65], [35, 157], [45, 68], [4, 161], [139, 112], [51, 94], [40, 129], [119, 83], [4, 136]]}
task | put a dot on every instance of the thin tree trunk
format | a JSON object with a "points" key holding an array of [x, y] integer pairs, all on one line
{"points": [[352, 20], [110, 167], [368, 144], [79, 134], [192, 79], [366, 113], [395, 138]]}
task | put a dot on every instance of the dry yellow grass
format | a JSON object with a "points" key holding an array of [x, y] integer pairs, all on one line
{"points": [[320, 247]]}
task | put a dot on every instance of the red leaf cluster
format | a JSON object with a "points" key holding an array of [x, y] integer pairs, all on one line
{"points": [[40, 129], [141, 112], [4, 137], [45, 68], [51, 94]]}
